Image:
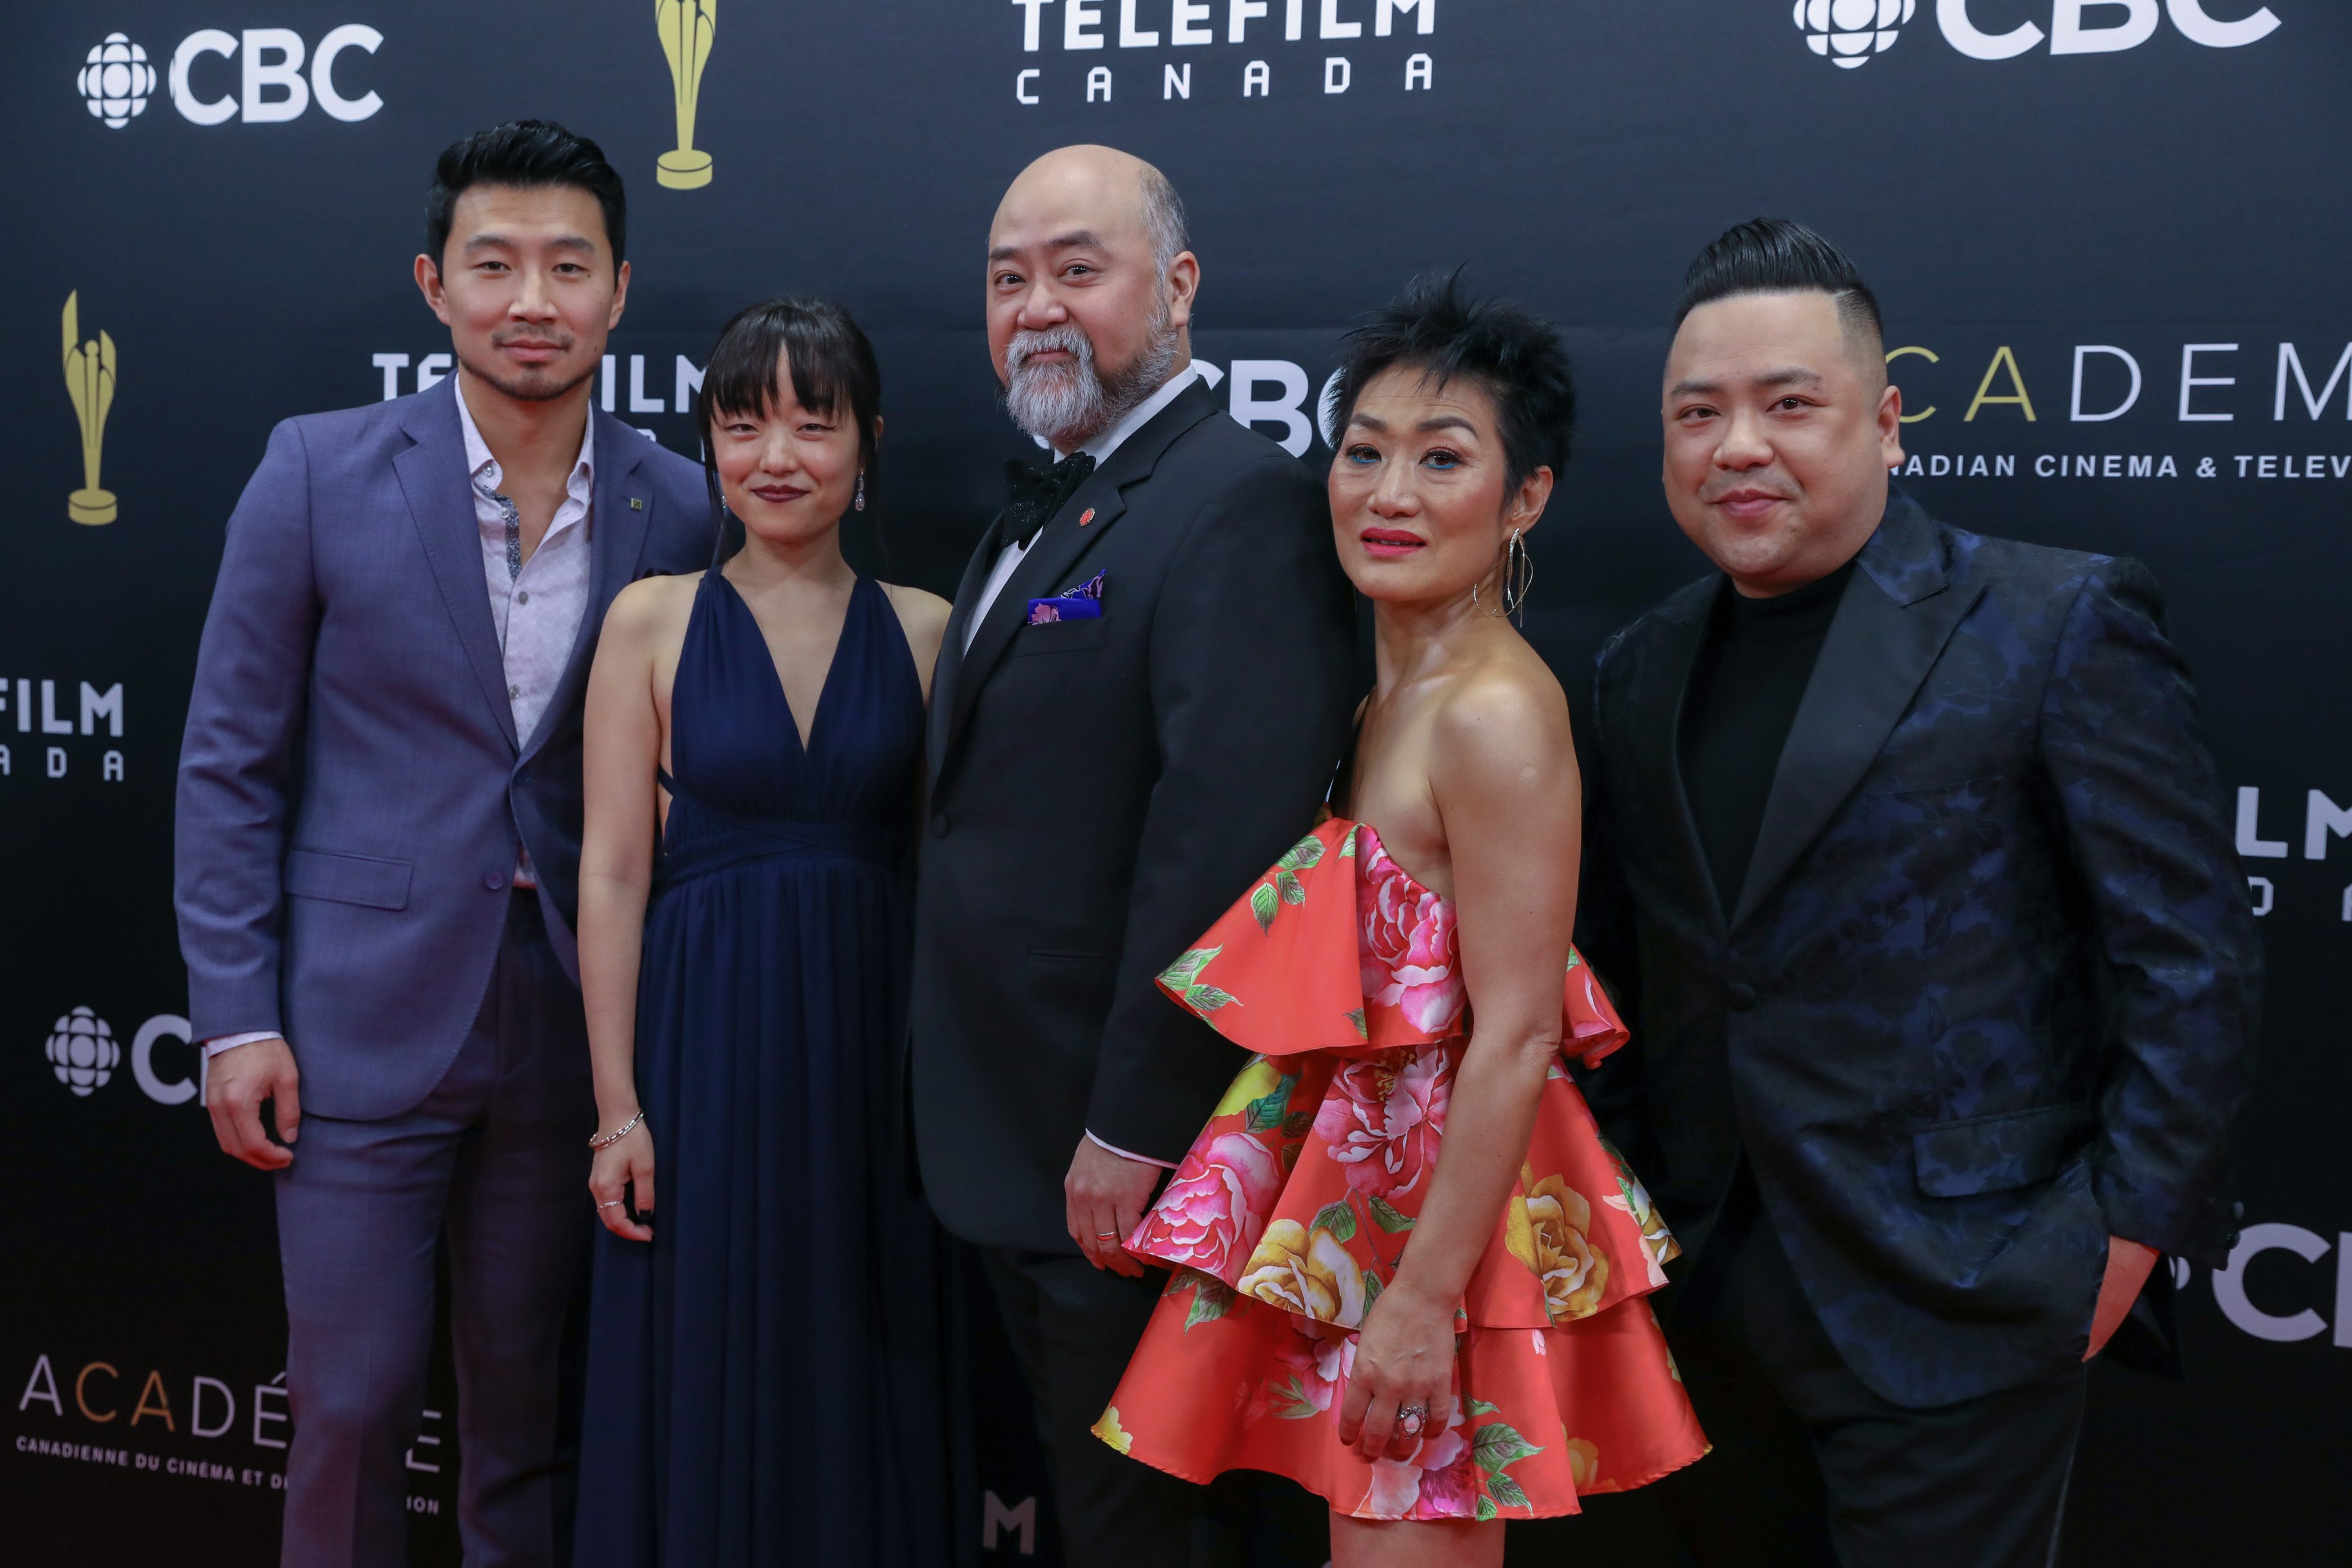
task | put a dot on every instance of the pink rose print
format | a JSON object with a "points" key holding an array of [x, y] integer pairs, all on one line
{"points": [[1408, 956], [1213, 1210], [1439, 1481], [1383, 1115]]}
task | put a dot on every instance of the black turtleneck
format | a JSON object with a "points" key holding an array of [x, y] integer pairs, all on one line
{"points": [[1744, 691]]}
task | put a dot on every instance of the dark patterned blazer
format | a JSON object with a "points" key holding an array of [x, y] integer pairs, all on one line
{"points": [[1988, 992]]}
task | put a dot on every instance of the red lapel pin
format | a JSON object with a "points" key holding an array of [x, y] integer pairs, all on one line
{"points": [[1086, 517]]}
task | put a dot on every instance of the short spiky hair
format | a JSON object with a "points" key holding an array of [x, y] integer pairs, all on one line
{"points": [[528, 154], [1780, 256], [1515, 356]]}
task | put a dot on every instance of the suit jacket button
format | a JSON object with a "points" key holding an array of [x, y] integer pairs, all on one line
{"points": [[494, 880], [939, 825], [1741, 994]]}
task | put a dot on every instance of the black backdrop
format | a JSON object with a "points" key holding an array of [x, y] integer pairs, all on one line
{"points": [[2039, 188]]}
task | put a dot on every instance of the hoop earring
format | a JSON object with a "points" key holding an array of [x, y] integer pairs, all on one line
{"points": [[861, 489], [1519, 574]]}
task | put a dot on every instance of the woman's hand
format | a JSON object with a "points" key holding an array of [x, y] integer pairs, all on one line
{"points": [[1405, 1357], [622, 1178]]}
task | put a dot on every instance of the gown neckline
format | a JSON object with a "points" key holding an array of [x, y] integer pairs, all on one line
{"points": [[806, 744]]}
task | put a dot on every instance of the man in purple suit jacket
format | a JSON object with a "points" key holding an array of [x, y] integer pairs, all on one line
{"points": [[378, 849]]}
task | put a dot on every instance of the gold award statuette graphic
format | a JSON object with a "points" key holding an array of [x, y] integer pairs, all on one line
{"points": [[686, 26], [89, 381]]}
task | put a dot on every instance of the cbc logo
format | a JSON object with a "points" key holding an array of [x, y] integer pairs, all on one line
{"points": [[83, 1053], [256, 76], [116, 81], [1850, 31]]}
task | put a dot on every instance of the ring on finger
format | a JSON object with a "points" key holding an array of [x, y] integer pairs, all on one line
{"points": [[613, 1205], [1410, 1418]]}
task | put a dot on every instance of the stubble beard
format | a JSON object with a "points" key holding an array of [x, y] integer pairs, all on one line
{"points": [[528, 385], [1068, 404]]}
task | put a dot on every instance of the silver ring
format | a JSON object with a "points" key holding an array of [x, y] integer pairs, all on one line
{"points": [[1410, 1418], [613, 1205], [1105, 1235]]}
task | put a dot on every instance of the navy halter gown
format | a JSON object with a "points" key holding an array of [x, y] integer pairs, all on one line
{"points": [[764, 1378]]}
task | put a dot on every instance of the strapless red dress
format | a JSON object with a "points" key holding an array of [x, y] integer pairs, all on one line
{"points": [[1289, 1214]]}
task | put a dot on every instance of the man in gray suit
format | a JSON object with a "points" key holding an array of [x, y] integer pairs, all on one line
{"points": [[379, 843]]}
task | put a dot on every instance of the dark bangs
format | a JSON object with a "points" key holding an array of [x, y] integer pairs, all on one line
{"points": [[833, 368]]}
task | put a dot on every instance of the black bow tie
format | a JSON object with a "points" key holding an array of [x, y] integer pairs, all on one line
{"points": [[1034, 495]]}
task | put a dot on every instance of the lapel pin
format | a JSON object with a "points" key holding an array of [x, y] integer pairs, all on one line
{"points": [[1086, 517], [637, 503]]}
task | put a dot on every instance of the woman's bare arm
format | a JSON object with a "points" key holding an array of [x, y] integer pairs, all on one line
{"points": [[1503, 773], [622, 745]]}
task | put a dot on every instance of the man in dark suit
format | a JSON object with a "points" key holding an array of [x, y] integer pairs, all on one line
{"points": [[378, 847], [1946, 974], [1142, 694]]}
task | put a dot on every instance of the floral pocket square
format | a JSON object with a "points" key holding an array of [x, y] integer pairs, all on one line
{"points": [[1083, 602]]}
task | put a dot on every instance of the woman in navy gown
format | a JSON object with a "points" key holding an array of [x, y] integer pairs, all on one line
{"points": [[764, 1381]]}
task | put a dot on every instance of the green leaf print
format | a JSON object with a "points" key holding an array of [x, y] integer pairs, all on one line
{"points": [[1296, 1123], [1264, 905], [1304, 855], [1480, 1407], [1187, 969], [1386, 1215], [1206, 999], [1347, 845], [1212, 1300], [1486, 1508], [1338, 1218], [1372, 1289], [1291, 1404], [1499, 1446], [1273, 1108], [1293, 892], [1356, 1016], [1507, 1491]]}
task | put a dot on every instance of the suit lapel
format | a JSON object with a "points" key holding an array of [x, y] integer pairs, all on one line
{"points": [[1899, 611], [948, 675], [621, 512], [1062, 545], [433, 478], [1683, 620]]}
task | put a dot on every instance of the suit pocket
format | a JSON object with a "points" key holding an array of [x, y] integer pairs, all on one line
{"points": [[1060, 636], [1993, 1154], [348, 878]]}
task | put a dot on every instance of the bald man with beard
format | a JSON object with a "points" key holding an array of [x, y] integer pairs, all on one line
{"points": [[1144, 688]]}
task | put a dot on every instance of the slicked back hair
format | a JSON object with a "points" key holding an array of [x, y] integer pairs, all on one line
{"points": [[1515, 356], [525, 154], [832, 365], [1780, 255]]}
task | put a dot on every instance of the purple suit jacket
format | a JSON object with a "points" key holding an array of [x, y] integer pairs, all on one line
{"points": [[352, 789]]}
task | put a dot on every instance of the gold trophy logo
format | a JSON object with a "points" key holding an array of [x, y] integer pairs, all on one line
{"points": [[686, 26], [89, 381]]}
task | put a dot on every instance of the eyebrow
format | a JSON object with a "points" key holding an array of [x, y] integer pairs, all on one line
{"points": [[579, 242], [1435, 421], [1791, 376], [1078, 239]]}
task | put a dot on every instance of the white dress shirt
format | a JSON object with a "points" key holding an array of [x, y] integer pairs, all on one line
{"points": [[535, 604], [1099, 449], [1009, 559]]}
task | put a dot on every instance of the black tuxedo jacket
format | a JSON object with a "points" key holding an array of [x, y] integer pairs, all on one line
{"points": [[1988, 994], [1100, 792]]}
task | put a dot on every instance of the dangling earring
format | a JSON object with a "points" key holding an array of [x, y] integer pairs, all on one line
{"points": [[861, 489], [1519, 574]]}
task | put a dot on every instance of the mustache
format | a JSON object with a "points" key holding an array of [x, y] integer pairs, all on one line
{"points": [[532, 335], [1065, 339]]}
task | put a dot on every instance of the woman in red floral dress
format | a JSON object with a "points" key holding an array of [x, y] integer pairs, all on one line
{"points": [[1407, 1272]]}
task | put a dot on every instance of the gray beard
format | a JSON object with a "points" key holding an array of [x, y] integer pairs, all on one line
{"points": [[1066, 405]]}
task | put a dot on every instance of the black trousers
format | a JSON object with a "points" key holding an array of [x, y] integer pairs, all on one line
{"points": [[1811, 1468], [1073, 1327]]}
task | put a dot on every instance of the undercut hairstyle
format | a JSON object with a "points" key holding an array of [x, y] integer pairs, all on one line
{"points": [[832, 365], [1163, 219], [1780, 256], [1515, 356], [525, 154]]}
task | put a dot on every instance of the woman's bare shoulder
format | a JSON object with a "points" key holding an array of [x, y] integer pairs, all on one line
{"points": [[1501, 718], [651, 608], [923, 614]]}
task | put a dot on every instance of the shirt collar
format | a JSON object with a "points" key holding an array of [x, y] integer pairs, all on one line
{"points": [[1103, 446], [483, 467]]}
